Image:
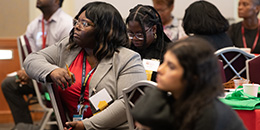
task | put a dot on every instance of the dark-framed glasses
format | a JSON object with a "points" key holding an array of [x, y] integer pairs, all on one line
{"points": [[82, 23], [139, 36]]}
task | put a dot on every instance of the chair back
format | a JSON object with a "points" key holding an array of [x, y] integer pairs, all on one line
{"points": [[253, 70], [222, 72], [132, 94], [57, 105], [24, 48], [234, 61]]}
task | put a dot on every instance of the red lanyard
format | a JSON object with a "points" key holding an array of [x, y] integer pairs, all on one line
{"points": [[43, 34], [256, 37]]}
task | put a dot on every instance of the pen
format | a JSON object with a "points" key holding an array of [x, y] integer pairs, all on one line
{"points": [[69, 73]]}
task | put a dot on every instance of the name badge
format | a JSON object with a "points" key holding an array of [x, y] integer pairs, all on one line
{"points": [[77, 117], [151, 65]]}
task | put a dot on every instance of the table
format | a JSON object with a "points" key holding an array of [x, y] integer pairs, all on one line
{"points": [[250, 118]]}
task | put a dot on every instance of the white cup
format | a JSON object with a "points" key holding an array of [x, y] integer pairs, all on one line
{"points": [[251, 89], [248, 50]]}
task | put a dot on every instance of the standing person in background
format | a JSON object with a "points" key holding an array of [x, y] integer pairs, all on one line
{"points": [[203, 19], [145, 30], [171, 25], [188, 87], [48, 28], [245, 34], [97, 56]]}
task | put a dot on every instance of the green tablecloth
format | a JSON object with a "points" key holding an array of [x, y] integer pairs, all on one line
{"points": [[241, 101]]}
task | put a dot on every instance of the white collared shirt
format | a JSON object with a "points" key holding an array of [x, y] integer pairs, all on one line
{"points": [[58, 27]]}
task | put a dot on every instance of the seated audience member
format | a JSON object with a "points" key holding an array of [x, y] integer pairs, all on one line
{"points": [[50, 27], [203, 19], [97, 57], [186, 97], [145, 31], [171, 25], [245, 34]]}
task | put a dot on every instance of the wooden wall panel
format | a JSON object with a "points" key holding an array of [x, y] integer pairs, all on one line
{"points": [[8, 66]]}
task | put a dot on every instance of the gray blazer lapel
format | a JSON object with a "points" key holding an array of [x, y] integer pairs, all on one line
{"points": [[101, 70], [72, 55]]}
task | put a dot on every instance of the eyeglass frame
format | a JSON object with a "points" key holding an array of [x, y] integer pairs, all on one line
{"points": [[136, 34], [82, 24]]}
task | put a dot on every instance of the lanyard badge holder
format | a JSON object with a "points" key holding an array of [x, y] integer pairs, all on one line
{"points": [[81, 107]]}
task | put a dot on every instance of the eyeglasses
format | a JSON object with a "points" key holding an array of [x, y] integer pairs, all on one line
{"points": [[82, 24], [139, 36]]}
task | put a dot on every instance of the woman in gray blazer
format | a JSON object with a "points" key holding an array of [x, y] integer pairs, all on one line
{"points": [[98, 59]]}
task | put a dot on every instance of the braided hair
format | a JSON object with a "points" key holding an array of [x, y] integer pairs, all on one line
{"points": [[146, 15]]}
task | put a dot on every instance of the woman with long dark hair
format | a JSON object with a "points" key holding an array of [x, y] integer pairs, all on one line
{"points": [[186, 97]]}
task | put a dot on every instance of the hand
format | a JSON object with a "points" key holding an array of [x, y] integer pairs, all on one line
{"points": [[75, 125], [61, 77], [23, 78], [139, 126]]}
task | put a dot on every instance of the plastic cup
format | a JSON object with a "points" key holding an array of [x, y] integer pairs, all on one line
{"points": [[240, 82], [251, 89]]}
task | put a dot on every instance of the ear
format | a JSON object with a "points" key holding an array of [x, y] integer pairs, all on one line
{"points": [[257, 9], [57, 2], [154, 29]]}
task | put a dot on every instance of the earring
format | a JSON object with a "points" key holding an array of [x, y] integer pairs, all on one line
{"points": [[155, 35]]}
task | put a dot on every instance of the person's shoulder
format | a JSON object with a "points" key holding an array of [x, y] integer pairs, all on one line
{"points": [[236, 25], [124, 50], [176, 21], [62, 16], [35, 21], [125, 54], [63, 42], [227, 116], [65, 15]]}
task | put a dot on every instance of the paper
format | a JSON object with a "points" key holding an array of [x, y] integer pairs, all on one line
{"points": [[151, 64], [100, 98], [12, 74]]}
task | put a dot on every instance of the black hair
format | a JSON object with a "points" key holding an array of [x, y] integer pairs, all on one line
{"points": [[146, 15], [202, 17], [109, 27], [201, 77], [61, 1]]}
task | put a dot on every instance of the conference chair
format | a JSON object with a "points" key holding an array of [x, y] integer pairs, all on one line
{"points": [[253, 70], [222, 72], [57, 105], [234, 62], [132, 94], [24, 50]]}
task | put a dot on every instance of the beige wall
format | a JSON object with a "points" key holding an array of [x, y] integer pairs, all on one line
{"points": [[13, 17], [67, 6]]}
